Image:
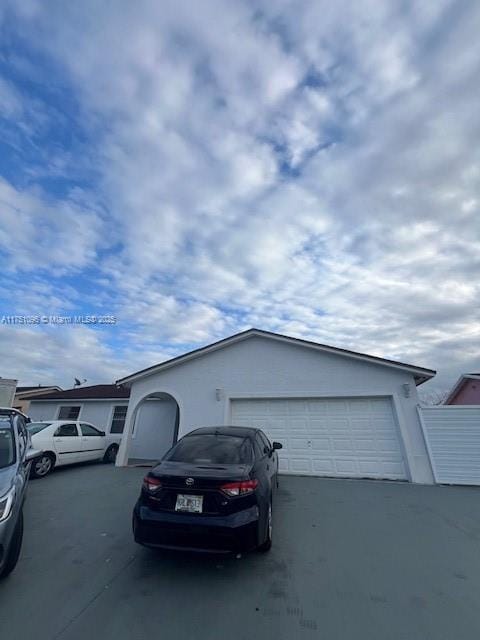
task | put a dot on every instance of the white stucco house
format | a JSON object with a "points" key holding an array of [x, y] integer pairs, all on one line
{"points": [[104, 405], [337, 412]]}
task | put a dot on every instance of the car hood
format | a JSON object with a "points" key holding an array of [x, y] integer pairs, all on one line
{"points": [[7, 476]]}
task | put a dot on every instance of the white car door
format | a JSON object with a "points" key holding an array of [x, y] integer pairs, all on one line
{"points": [[93, 442], [67, 443]]}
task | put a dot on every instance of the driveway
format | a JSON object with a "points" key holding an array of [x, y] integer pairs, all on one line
{"points": [[351, 560]]}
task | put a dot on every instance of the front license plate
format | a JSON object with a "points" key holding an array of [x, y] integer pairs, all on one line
{"points": [[193, 504]]}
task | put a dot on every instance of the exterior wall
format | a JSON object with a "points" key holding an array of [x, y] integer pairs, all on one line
{"points": [[469, 393], [43, 410], [154, 429], [98, 412], [263, 367]]}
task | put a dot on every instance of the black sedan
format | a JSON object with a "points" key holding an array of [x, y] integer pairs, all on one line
{"points": [[213, 491]]}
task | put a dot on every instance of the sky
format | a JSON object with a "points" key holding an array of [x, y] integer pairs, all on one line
{"points": [[195, 169]]}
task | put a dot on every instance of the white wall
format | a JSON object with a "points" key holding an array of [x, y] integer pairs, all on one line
{"points": [[257, 367], [154, 429], [43, 410], [98, 412]]}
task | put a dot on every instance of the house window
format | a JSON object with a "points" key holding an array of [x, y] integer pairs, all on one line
{"points": [[68, 413], [118, 420]]}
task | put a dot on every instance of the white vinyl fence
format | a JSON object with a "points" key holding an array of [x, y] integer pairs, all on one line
{"points": [[452, 436]]}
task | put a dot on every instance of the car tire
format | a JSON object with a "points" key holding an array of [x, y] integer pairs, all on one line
{"points": [[13, 552], [42, 465], [267, 545], [111, 454]]}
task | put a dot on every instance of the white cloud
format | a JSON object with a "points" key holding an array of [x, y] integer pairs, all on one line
{"points": [[309, 168], [39, 233]]}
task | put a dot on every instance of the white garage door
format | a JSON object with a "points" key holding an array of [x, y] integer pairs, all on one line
{"points": [[347, 437]]}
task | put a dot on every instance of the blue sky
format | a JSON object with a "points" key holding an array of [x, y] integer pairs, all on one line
{"points": [[311, 168]]}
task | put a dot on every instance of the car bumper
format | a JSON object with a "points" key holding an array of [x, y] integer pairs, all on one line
{"points": [[214, 534]]}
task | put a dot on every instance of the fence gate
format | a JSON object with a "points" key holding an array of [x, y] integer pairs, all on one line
{"points": [[452, 436]]}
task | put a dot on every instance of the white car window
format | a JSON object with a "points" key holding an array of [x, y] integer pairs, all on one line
{"points": [[67, 430], [88, 430]]}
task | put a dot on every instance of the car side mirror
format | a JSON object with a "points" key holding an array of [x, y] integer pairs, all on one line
{"points": [[277, 445], [102, 433]]}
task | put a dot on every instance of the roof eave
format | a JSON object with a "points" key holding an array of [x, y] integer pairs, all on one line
{"points": [[420, 374], [80, 399]]}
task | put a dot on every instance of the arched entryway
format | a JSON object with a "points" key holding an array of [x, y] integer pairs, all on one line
{"points": [[155, 428]]}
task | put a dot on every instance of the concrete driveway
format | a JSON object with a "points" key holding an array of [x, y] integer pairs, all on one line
{"points": [[351, 560]]}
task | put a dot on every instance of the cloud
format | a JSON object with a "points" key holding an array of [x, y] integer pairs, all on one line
{"points": [[37, 232], [296, 167]]}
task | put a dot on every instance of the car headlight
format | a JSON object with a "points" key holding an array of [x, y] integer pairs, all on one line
{"points": [[6, 503]]}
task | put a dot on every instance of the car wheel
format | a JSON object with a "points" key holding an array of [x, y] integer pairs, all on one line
{"points": [[14, 549], [111, 454], [42, 465], [267, 545]]}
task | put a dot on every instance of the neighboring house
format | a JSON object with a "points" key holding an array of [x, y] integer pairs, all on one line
{"points": [[7, 391], [103, 405], [23, 395], [337, 412], [466, 390]]}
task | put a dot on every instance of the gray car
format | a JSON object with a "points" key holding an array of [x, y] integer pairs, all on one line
{"points": [[15, 457]]}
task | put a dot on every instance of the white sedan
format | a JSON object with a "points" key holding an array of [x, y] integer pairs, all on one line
{"points": [[66, 442]]}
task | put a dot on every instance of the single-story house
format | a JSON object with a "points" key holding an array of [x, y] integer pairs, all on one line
{"points": [[103, 405], [466, 390], [23, 395], [337, 412]]}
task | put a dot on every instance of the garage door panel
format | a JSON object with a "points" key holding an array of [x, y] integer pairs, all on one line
{"points": [[394, 468], [277, 407], [342, 445], [364, 445], [278, 423], [300, 465], [295, 444], [389, 445], [347, 437], [336, 407], [360, 424], [298, 424], [338, 424], [320, 444], [317, 407], [346, 466], [323, 467]]}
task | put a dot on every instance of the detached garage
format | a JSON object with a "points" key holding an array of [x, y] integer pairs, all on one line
{"points": [[337, 413]]}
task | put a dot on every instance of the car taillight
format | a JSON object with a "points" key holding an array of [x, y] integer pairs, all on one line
{"points": [[233, 489], [151, 484]]}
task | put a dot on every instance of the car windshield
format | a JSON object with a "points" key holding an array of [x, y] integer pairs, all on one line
{"points": [[212, 449], [35, 427], [7, 442]]}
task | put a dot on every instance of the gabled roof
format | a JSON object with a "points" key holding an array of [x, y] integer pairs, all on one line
{"points": [[420, 374], [93, 392], [459, 384]]}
